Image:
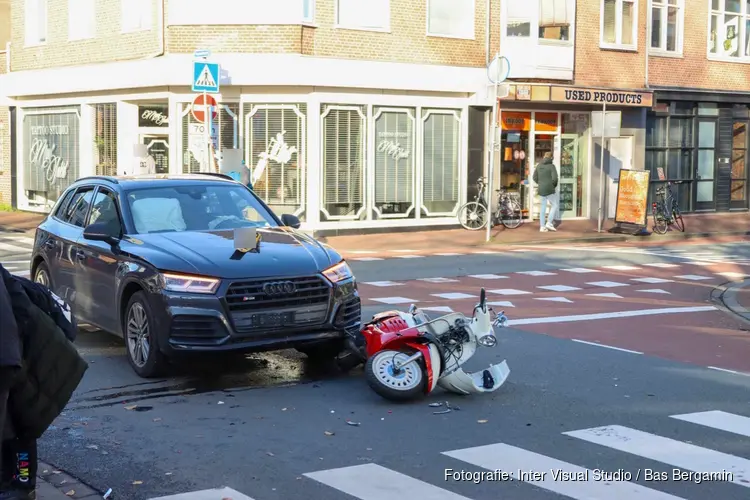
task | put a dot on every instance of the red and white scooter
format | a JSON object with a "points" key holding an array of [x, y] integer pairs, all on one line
{"points": [[408, 354]]}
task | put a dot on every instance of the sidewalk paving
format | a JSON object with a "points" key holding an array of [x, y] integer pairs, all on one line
{"points": [[53, 484]]}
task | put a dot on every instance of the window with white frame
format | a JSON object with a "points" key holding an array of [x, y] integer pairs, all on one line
{"points": [[308, 11], [35, 22], [619, 24], [517, 18], [363, 14], [137, 15], [667, 17], [555, 18], [451, 18], [729, 36], [81, 19]]}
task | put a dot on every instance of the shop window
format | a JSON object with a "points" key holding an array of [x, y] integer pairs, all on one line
{"points": [[619, 24], [451, 18], [364, 14], [518, 18], [555, 18], [394, 162], [343, 162], [728, 36], [441, 142], [514, 168], [667, 18], [738, 182], [105, 138], [81, 19], [50, 153], [275, 138], [224, 135], [670, 154], [308, 11]]}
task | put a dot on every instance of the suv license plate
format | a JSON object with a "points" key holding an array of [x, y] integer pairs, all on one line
{"points": [[272, 319]]}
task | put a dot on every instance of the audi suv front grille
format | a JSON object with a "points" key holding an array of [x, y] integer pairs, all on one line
{"points": [[256, 295]]}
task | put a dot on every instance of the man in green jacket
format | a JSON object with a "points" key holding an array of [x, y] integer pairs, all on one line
{"points": [[545, 177]]}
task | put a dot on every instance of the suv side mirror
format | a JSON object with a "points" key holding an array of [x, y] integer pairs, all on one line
{"points": [[290, 220], [99, 231]]}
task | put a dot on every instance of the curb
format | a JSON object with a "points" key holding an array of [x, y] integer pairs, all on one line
{"points": [[626, 238], [64, 485], [725, 296]]}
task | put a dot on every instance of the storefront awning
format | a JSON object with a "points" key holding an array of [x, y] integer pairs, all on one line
{"points": [[528, 92]]}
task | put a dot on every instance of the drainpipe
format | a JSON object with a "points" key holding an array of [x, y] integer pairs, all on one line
{"points": [[161, 29], [487, 32]]}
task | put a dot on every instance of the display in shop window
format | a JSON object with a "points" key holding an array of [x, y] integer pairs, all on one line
{"points": [[394, 163], [158, 150]]}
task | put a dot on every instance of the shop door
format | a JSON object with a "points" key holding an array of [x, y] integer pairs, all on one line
{"points": [[546, 140], [704, 187], [620, 156], [157, 147]]}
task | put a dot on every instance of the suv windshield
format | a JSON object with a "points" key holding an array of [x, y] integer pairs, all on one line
{"points": [[196, 207]]}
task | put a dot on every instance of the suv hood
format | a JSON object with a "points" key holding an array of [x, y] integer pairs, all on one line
{"points": [[282, 252]]}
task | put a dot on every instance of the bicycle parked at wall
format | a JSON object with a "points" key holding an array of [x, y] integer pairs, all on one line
{"points": [[473, 215], [665, 210]]}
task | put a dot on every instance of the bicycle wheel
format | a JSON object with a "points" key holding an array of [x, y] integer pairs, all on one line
{"points": [[510, 214], [660, 223], [472, 216], [677, 218]]}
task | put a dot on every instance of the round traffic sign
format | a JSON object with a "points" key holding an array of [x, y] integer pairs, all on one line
{"points": [[199, 108]]}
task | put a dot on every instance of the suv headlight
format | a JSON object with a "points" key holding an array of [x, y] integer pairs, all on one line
{"points": [[189, 284], [339, 272]]}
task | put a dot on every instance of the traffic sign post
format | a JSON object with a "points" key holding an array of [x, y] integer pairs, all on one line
{"points": [[206, 76]]}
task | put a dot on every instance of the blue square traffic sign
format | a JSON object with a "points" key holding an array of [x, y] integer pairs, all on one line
{"points": [[205, 77]]}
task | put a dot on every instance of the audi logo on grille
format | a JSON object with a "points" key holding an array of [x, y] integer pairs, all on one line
{"points": [[279, 288]]}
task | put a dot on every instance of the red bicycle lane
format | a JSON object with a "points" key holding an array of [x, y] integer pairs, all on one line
{"points": [[662, 310]]}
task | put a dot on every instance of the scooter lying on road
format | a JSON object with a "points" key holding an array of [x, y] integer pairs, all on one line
{"points": [[408, 355]]}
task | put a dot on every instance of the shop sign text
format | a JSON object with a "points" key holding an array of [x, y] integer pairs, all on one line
{"points": [[42, 154], [391, 147], [153, 116], [615, 98]]}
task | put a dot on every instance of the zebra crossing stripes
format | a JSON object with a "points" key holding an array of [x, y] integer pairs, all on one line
{"points": [[373, 482], [721, 420], [553, 475], [13, 245], [669, 451], [213, 494]]}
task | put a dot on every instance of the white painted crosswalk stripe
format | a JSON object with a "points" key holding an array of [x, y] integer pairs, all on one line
{"points": [[577, 482], [13, 248], [669, 451], [373, 482], [721, 420], [214, 494]]}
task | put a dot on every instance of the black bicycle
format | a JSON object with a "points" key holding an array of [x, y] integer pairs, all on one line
{"points": [[473, 215], [666, 211]]}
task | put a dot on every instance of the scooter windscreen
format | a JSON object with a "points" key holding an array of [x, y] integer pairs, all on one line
{"points": [[487, 380]]}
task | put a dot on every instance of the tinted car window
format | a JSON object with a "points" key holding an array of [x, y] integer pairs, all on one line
{"points": [[76, 211], [104, 211], [203, 207], [60, 211]]}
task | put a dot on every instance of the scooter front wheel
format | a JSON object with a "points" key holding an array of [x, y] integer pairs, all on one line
{"points": [[405, 384]]}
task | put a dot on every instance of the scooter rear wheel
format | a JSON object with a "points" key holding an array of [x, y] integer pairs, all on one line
{"points": [[406, 385]]}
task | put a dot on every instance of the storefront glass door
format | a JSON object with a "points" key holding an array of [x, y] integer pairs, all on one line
{"points": [[546, 140], [705, 171], [514, 162], [157, 147]]}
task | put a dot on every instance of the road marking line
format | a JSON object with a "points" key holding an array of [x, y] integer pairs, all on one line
{"points": [[410, 256], [373, 482], [19, 239], [207, 495], [382, 283], [559, 288], [606, 346], [13, 249], [537, 273], [607, 295], [654, 290], [556, 299], [14, 262], [509, 291], [610, 315], [622, 268], [405, 251], [652, 280], [487, 276], [448, 254], [693, 277], [512, 460], [394, 300], [661, 264], [454, 296], [368, 259], [721, 420], [438, 280], [733, 372], [444, 309], [580, 270], [21, 273], [607, 284], [668, 451]]}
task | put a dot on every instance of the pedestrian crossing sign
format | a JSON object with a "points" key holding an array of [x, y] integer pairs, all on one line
{"points": [[205, 77]]}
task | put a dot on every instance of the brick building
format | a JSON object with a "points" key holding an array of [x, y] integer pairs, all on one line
{"points": [[381, 106]]}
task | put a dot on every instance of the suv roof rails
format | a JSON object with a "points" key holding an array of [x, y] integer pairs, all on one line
{"points": [[216, 174], [108, 178]]}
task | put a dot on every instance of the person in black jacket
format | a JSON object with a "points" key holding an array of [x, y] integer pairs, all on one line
{"points": [[10, 361], [38, 314]]}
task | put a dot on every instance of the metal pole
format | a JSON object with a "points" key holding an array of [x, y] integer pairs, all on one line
{"points": [[206, 124], [491, 169], [601, 166]]}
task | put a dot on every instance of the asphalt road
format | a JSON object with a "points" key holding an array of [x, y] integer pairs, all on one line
{"points": [[270, 426]]}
